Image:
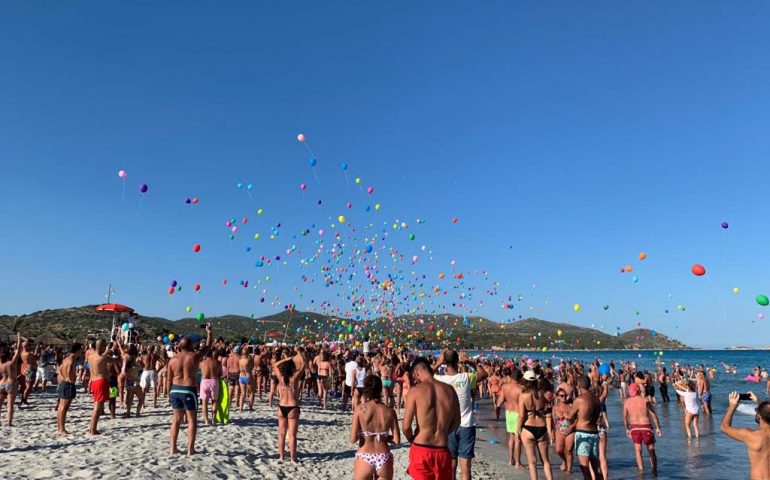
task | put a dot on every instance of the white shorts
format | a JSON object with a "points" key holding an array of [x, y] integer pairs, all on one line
{"points": [[149, 376], [44, 374]]}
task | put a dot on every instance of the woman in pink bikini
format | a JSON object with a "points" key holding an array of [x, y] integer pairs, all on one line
{"points": [[374, 426]]}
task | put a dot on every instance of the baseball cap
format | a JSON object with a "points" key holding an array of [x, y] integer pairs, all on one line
{"points": [[529, 376]]}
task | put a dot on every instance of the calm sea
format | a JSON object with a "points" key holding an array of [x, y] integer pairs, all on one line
{"points": [[713, 456]]}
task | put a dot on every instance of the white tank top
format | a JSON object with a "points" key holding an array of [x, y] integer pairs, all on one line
{"points": [[360, 377]]}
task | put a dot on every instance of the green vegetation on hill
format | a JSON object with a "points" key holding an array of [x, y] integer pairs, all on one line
{"points": [[425, 331]]}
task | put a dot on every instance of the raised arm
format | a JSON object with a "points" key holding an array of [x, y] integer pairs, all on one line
{"points": [[17, 353], [741, 434]]}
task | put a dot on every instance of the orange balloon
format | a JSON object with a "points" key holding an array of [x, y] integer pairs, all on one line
{"points": [[642, 256], [629, 268], [441, 275]]}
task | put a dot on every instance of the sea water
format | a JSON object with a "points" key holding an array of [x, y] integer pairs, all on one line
{"points": [[713, 456]]}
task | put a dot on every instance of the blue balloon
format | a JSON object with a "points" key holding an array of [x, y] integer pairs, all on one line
{"points": [[604, 369], [124, 327], [165, 340], [369, 248], [259, 263], [312, 162], [344, 166]]}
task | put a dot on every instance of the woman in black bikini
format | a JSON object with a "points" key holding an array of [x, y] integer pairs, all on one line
{"points": [[534, 425], [288, 410], [324, 370]]}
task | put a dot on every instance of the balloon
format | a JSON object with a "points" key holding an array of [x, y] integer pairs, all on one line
{"points": [[201, 317], [377, 206], [124, 327], [301, 137], [761, 316], [370, 190], [171, 337], [196, 248], [187, 201], [171, 290], [195, 200], [725, 225], [312, 162], [606, 307], [173, 283], [341, 219], [411, 236], [698, 270], [143, 188], [763, 300], [735, 290], [302, 186], [188, 309], [604, 369], [635, 279], [239, 185], [558, 333], [165, 340], [160, 339], [197, 287], [122, 174], [344, 166], [454, 219], [642, 255], [260, 211], [358, 181], [576, 307], [249, 186]]}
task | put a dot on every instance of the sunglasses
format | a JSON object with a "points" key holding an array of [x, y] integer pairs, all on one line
{"points": [[561, 395]]}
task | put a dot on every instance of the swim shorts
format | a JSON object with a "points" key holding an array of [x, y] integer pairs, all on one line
{"points": [[209, 389], [183, 397], [587, 444], [100, 390], [429, 463], [232, 379], [706, 397], [642, 434], [149, 377], [462, 442], [511, 421], [66, 391]]}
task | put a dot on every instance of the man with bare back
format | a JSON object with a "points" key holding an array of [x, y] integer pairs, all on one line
{"points": [[587, 409], [182, 375], [435, 407]]}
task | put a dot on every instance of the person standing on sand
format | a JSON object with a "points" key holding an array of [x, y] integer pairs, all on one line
{"points": [[209, 390], [757, 441], [535, 420], [9, 371], [245, 367], [462, 442], [183, 396], [29, 370], [435, 407], [636, 418], [587, 409], [65, 391], [374, 425], [100, 362], [149, 379], [288, 409]]}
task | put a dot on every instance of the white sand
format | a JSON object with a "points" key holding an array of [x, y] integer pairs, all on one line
{"points": [[138, 447]]}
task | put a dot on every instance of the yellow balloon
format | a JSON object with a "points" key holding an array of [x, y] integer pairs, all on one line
{"points": [[256, 236], [341, 218], [171, 336], [189, 309], [576, 307], [358, 181], [260, 211], [558, 332], [377, 207], [735, 289]]}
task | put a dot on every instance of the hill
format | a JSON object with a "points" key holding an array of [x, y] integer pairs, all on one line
{"points": [[424, 331]]}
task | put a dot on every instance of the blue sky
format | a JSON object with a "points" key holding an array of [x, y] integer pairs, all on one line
{"points": [[565, 140]]}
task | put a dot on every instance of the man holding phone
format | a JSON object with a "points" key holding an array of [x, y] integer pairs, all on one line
{"points": [[757, 441]]}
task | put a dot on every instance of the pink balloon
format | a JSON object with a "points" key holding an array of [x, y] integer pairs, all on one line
{"points": [[761, 316], [370, 190], [302, 186], [301, 137], [122, 174]]}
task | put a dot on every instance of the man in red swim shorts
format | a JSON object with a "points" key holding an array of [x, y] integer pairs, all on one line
{"points": [[100, 360], [437, 410], [637, 412]]}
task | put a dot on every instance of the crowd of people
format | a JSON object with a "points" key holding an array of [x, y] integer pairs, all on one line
{"points": [[544, 405]]}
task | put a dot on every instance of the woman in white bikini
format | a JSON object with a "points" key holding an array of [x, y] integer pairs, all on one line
{"points": [[374, 426]]}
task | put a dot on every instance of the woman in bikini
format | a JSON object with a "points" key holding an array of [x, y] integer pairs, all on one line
{"points": [[386, 374], [273, 378], [564, 427], [288, 410], [493, 384], [132, 387], [324, 369], [534, 425], [374, 426]]}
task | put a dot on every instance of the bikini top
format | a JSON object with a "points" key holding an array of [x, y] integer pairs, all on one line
{"points": [[377, 435]]}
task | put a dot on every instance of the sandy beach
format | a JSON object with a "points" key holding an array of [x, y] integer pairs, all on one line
{"points": [[138, 447]]}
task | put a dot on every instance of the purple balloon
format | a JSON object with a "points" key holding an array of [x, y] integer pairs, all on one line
{"points": [[173, 283], [725, 225], [187, 201], [143, 188]]}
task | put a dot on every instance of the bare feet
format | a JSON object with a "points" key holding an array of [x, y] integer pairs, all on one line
{"points": [[518, 466], [563, 467], [191, 451]]}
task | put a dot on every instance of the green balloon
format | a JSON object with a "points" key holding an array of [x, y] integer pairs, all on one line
{"points": [[201, 317], [606, 307], [763, 300]]}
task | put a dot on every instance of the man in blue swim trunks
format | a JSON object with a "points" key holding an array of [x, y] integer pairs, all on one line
{"points": [[587, 409], [183, 378]]}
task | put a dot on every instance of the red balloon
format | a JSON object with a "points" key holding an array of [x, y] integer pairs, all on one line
{"points": [[197, 287], [171, 290], [196, 248], [698, 270]]}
